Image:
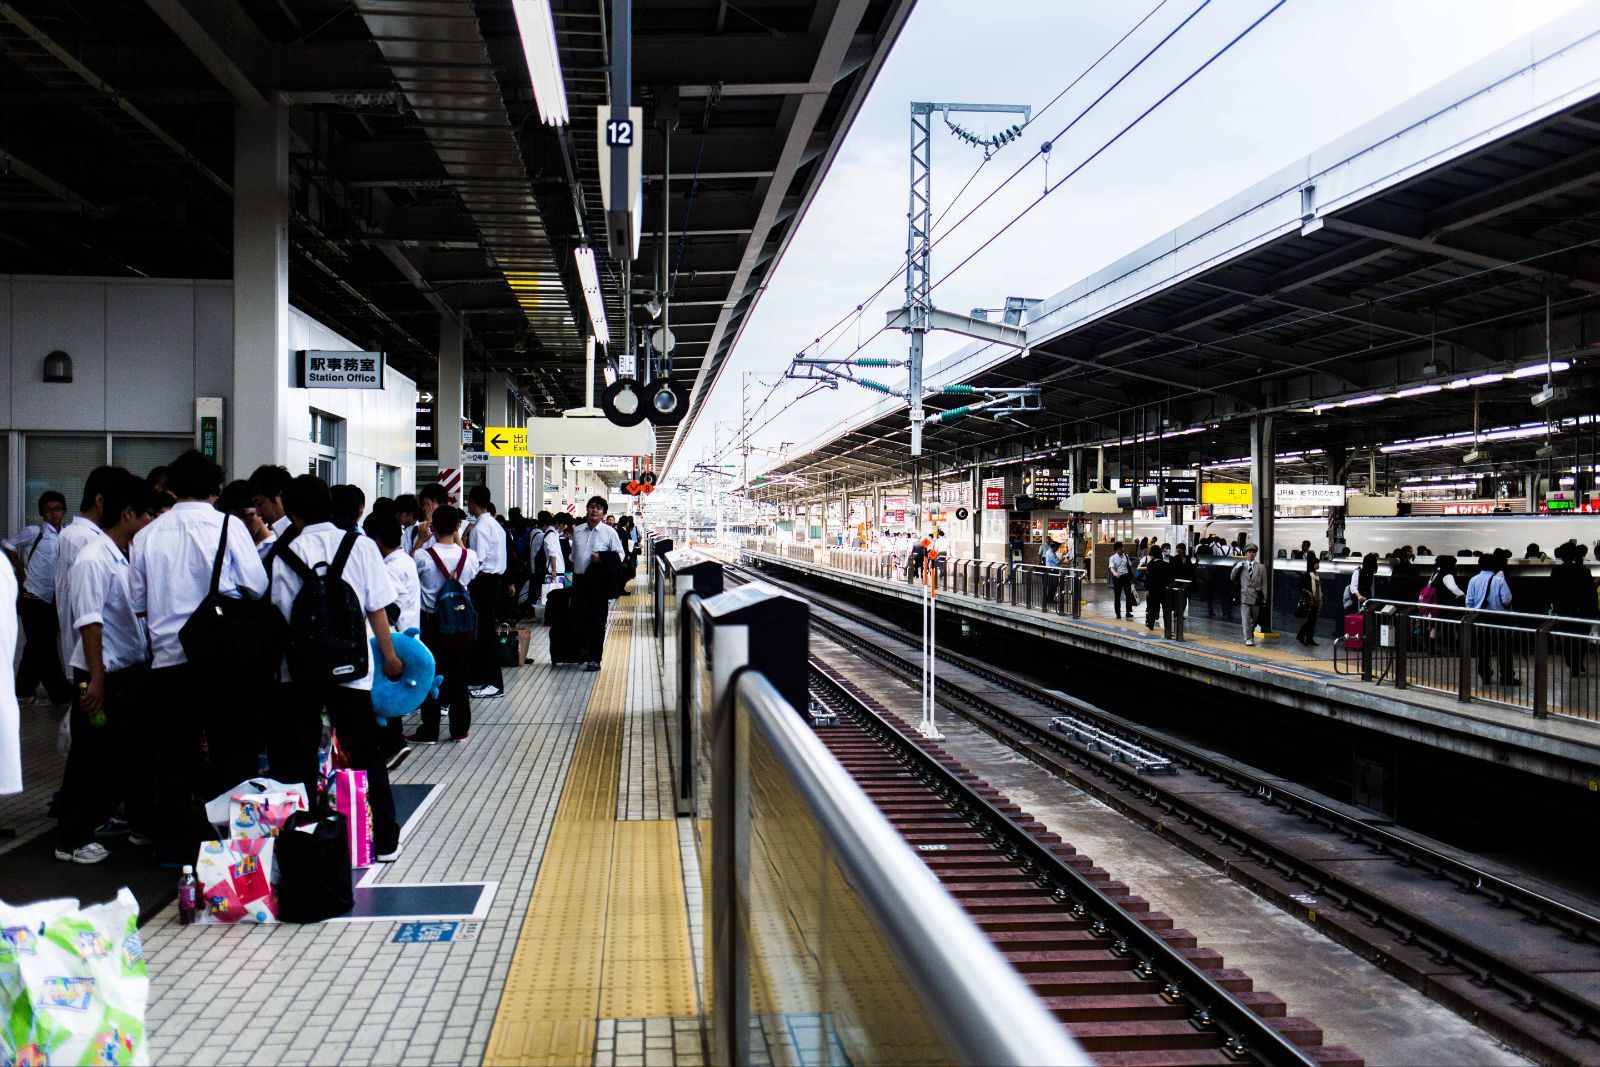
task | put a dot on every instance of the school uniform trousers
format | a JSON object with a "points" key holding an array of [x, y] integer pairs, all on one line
{"points": [[350, 712], [92, 783], [178, 698], [41, 662], [454, 664], [485, 660], [591, 602]]}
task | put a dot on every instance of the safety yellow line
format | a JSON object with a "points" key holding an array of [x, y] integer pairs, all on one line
{"points": [[606, 933]]}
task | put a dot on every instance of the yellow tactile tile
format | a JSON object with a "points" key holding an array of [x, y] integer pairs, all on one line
{"points": [[606, 933]]}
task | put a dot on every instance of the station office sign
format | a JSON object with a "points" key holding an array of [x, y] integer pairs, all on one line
{"points": [[320, 369]]}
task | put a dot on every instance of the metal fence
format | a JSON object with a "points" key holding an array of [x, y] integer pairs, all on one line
{"points": [[1543, 664]]}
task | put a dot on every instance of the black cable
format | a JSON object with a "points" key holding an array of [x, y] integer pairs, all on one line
{"points": [[694, 183], [1117, 137]]}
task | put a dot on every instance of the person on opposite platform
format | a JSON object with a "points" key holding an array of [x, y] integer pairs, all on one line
{"points": [[1250, 578]]}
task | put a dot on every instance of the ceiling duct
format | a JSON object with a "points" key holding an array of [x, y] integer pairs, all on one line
{"points": [[442, 68]]}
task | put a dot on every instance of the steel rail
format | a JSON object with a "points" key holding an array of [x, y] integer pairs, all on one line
{"points": [[1528, 991], [1246, 1034]]}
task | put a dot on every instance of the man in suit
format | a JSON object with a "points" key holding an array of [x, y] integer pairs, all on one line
{"points": [[1250, 578]]}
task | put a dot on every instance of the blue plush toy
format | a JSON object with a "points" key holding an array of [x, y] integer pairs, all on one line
{"points": [[417, 682]]}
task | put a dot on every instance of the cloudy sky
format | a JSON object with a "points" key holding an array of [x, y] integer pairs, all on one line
{"points": [[1313, 70]]}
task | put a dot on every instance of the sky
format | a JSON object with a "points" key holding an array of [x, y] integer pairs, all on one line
{"points": [[1312, 71]]}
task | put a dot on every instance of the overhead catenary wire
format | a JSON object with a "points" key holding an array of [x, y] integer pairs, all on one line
{"points": [[834, 330]]}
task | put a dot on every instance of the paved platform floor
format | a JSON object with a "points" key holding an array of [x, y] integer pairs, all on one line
{"points": [[561, 801]]}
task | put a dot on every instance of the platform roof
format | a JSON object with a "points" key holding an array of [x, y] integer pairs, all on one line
{"points": [[421, 175], [1415, 252]]}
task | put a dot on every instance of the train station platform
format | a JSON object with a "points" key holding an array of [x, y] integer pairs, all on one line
{"points": [[1310, 680], [540, 912]]}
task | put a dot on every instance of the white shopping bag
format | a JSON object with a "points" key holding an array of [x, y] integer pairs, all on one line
{"points": [[73, 984], [220, 808]]}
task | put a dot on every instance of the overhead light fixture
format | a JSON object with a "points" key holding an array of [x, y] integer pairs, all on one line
{"points": [[590, 280], [538, 29], [1417, 390]]}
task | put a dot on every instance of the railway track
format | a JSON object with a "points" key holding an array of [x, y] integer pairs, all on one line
{"points": [[1523, 966], [1130, 987]]}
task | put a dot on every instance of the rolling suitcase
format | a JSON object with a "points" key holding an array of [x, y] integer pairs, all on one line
{"points": [[563, 627]]}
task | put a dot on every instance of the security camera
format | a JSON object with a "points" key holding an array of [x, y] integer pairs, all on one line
{"points": [[652, 307]]}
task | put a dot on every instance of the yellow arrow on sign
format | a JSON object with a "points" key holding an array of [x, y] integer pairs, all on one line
{"points": [[506, 440]]}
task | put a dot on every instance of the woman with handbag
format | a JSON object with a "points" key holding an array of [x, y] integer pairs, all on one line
{"points": [[1309, 606]]}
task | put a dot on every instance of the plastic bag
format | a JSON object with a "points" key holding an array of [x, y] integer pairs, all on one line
{"points": [[263, 814], [236, 881], [73, 983], [64, 735], [220, 808]]}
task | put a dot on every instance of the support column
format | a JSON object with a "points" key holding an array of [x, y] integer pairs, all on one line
{"points": [[1530, 487], [976, 511], [448, 394], [845, 529], [497, 473], [1264, 479], [261, 360], [920, 519]]}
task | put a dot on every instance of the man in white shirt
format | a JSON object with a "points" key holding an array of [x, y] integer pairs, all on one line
{"points": [[437, 564], [107, 656], [592, 583], [32, 552], [83, 530], [267, 484], [171, 563], [1121, 570], [537, 560], [297, 726], [406, 510], [488, 539]]}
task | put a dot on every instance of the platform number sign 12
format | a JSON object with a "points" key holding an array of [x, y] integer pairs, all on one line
{"points": [[619, 133]]}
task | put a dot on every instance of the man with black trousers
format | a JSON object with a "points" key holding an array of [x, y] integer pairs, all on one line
{"points": [[297, 728], [108, 657], [32, 552], [592, 581], [170, 574], [488, 540]]}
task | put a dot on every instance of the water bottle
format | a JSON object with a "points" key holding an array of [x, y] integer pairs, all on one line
{"points": [[188, 891]]}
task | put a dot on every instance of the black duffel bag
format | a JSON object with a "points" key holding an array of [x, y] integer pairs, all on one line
{"points": [[314, 881], [240, 636]]}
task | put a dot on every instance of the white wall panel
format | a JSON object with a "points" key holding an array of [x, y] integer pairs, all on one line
{"points": [[149, 357], [213, 341], [65, 315]]}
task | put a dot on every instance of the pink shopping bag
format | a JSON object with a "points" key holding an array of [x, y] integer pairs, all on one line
{"points": [[350, 793]]}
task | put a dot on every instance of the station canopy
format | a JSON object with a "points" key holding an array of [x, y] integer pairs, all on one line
{"points": [[422, 181], [1377, 294]]}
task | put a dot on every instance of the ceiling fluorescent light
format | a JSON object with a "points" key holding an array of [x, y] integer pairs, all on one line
{"points": [[1539, 368], [590, 281], [1358, 401], [1417, 390], [538, 30]]}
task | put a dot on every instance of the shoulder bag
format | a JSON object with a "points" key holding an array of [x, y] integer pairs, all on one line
{"points": [[237, 635]]}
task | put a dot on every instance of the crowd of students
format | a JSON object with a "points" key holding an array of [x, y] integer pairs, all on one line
{"points": [[126, 614]]}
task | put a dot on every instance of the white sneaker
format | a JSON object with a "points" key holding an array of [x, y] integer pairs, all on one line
{"points": [[93, 852], [1250, 641], [484, 691], [389, 857]]}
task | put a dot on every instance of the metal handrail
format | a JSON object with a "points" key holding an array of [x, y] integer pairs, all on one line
{"points": [[1488, 615], [984, 1010]]}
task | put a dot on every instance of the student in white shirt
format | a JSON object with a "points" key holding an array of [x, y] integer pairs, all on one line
{"points": [[404, 614], [591, 586], [406, 510], [107, 657], [430, 497], [267, 484], [170, 575], [32, 552], [447, 558], [75, 536], [292, 744], [488, 539]]}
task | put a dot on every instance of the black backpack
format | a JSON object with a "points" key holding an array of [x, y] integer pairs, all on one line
{"points": [[239, 636], [327, 639]]}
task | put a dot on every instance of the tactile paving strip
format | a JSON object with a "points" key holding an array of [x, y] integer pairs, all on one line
{"points": [[606, 934]]}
